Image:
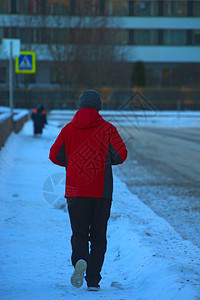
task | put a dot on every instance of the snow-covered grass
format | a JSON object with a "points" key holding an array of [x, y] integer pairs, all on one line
{"points": [[130, 112], [131, 118], [146, 259]]}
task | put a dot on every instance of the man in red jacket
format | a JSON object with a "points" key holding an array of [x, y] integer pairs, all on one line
{"points": [[87, 147]]}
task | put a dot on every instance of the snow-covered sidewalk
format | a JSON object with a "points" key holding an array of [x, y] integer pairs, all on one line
{"points": [[146, 259]]}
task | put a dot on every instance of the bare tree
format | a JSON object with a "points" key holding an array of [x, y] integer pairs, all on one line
{"points": [[87, 53]]}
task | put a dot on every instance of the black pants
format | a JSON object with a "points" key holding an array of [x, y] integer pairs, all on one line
{"points": [[89, 217], [37, 128]]}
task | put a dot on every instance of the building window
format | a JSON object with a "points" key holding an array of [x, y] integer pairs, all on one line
{"points": [[5, 32], [34, 35], [120, 8], [2, 75], [12, 6], [10, 32], [165, 77], [41, 7], [58, 36], [189, 37], [196, 37], [142, 37], [155, 8], [56, 76], [131, 8], [72, 7], [160, 8], [174, 37], [59, 7], [143, 8], [27, 7], [131, 37], [102, 7], [189, 8], [43, 35], [178, 8], [74, 35], [26, 36], [175, 8], [145, 37], [1, 33], [24, 7], [3, 7], [160, 37], [149, 77], [120, 37], [196, 9], [85, 8], [166, 9]]}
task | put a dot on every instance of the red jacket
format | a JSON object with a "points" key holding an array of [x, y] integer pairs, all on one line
{"points": [[88, 146]]}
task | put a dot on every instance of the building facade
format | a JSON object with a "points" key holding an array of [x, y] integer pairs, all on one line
{"points": [[164, 34]]}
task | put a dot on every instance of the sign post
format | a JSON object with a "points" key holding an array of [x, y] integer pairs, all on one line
{"points": [[11, 49], [11, 78]]}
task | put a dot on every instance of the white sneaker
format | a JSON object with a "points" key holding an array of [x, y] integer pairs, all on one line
{"points": [[78, 275], [93, 288]]}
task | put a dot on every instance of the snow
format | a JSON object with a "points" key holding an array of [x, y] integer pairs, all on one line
{"points": [[4, 109], [146, 259], [18, 113], [136, 119], [4, 113], [130, 112]]}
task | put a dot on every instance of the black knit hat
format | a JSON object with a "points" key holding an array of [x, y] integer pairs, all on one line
{"points": [[90, 98]]}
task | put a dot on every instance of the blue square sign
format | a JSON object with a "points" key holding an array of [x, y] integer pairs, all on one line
{"points": [[25, 62]]}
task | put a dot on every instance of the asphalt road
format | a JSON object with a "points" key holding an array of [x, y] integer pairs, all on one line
{"points": [[163, 170]]}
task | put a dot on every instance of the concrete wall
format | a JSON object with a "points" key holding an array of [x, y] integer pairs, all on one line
{"points": [[19, 122], [6, 127], [9, 124]]}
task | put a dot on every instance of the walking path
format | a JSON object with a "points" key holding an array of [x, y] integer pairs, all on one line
{"points": [[146, 259]]}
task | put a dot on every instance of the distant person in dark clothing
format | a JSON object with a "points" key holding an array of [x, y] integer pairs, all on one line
{"points": [[44, 115], [39, 119]]}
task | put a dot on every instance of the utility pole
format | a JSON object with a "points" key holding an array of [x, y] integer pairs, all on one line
{"points": [[11, 78]]}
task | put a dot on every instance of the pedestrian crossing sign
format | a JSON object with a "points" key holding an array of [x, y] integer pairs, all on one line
{"points": [[25, 62]]}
